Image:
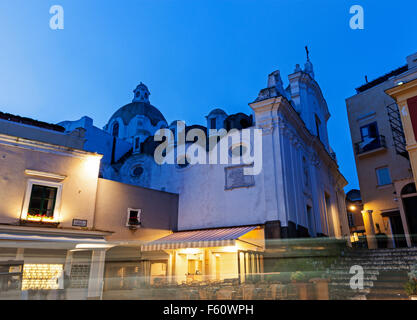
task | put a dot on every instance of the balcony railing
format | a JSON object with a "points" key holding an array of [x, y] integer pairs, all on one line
{"points": [[370, 144]]}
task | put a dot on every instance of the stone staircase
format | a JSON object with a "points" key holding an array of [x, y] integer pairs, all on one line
{"points": [[385, 273]]}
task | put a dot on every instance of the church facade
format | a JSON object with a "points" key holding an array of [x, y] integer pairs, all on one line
{"points": [[298, 193]]}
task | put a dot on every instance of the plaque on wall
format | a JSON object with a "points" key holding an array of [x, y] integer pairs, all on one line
{"points": [[79, 223], [236, 179]]}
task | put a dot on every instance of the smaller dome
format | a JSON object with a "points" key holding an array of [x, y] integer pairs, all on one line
{"points": [[216, 112]]}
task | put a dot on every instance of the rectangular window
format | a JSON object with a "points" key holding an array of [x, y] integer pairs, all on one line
{"points": [[213, 123], [383, 176], [133, 217], [42, 201], [370, 131]]}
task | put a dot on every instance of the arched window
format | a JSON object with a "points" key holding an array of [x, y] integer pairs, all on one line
{"points": [[409, 189], [115, 131]]}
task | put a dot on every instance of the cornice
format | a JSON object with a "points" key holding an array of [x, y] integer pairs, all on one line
{"points": [[23, 143]]}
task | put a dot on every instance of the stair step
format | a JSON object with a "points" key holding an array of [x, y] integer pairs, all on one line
{"points": [[405, 258], [385, 273], [366, 284]]}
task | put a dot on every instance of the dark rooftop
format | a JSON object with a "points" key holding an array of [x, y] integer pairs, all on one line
{"points": [[381, 79], [31, 122]]}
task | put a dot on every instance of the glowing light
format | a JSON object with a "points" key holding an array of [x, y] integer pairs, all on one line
{"points": [[230, 249], [41, 276], [92, 164], [400, 83], [35, 218], [93, 246], [352, 208], [356, 236], [190, 251]]}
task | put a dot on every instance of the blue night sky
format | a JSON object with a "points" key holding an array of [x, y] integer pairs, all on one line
{"points": [[193, 55]]}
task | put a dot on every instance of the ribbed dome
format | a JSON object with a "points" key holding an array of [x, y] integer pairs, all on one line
{"points": [[129, 111]]}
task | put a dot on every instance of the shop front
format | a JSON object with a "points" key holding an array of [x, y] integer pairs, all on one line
{"points": [[50, 264], [207, 256]]}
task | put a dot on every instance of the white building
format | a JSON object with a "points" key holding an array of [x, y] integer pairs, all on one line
{"points": [[299, 192]]}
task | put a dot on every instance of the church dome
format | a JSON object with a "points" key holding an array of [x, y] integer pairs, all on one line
{"points": [[129, 111], [140, 105]]}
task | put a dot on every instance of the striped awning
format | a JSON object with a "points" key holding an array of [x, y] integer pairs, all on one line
{"points": [[221, 237]]}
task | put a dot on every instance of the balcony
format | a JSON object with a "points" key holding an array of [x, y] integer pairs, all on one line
{"points": [[370, 145]]}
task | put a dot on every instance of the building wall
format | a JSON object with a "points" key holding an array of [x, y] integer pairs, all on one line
{"points": [[98, 140], [79, 186], [159, 211], [364, 108]]}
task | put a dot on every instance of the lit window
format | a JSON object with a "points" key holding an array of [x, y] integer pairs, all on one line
{"points": [[134, 217], [42, 201], [383, 176]]}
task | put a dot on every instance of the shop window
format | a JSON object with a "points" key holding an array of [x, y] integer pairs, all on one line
{"points": [[79, 275], [133, 217], [42, 276]]}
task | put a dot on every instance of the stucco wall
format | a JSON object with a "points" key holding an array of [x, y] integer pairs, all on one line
{"points": [[78, 187], [373, 102], [98, 140], [159, 211]]}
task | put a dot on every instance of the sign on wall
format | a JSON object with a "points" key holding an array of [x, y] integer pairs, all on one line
{"points": [[79, 223]]}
